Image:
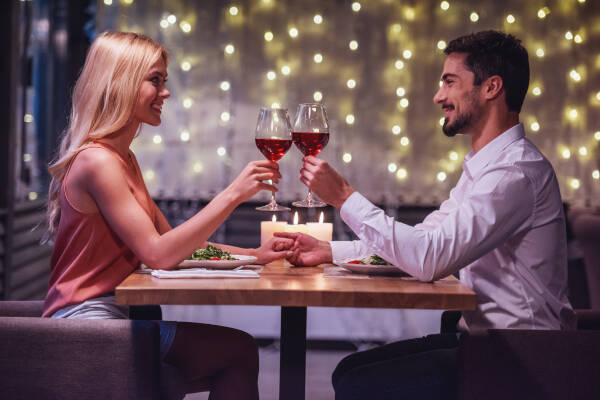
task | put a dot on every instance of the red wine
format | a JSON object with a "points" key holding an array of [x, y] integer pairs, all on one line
{"points": [[310, 143], [273, 149]]}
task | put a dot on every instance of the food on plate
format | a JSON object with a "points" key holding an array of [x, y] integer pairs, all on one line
{"points": [[211, 253], [372, 260]]}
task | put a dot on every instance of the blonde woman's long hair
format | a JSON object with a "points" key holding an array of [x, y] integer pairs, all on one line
{"points": [[104, 98]]}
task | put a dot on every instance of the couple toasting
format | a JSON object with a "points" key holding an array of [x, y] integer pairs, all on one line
{"points": [[502, 228]]}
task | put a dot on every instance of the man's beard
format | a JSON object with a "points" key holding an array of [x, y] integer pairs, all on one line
{"points": [[465, 119]]}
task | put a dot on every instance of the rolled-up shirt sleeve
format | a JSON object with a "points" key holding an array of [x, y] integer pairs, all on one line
{"points": [[499, 204]]}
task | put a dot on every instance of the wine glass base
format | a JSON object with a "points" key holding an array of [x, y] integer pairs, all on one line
{"points": [[271, 207], [309, 203]]}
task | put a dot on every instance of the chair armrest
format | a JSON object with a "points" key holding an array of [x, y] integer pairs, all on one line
{"points": [[29, 308], [79, 359], [521, 364]]}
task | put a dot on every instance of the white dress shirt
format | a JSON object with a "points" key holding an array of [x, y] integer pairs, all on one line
{"points": [[503, 228]]}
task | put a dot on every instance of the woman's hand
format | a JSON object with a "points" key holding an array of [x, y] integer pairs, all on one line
{"points": [[274, 249], [250, 180]]}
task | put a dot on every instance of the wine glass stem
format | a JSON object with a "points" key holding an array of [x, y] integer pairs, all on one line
{"points": [[273, 203], [309, 197]]}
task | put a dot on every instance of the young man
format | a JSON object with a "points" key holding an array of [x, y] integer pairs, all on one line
{"points": [[503, 226]]}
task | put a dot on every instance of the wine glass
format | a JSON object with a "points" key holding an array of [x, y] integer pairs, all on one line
{"points": [[310, 134], [273, 138]]}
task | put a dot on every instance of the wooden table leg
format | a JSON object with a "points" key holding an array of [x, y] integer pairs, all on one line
{"points": [[292, 361]]}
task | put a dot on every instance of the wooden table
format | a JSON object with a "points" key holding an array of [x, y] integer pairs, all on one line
{"points": [[295, 289]]}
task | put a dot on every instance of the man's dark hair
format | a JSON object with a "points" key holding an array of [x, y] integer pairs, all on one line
{"points": [[495, 53]]}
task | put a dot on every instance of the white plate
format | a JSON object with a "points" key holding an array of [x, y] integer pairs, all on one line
{"points": [[218, 264], [371, 269]]}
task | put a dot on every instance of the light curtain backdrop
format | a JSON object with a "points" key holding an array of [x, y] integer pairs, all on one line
{"points": [[375, 65]]}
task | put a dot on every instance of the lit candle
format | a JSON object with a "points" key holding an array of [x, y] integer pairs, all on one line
{"points": [[320, 230], [296, 227], [267, 228]]}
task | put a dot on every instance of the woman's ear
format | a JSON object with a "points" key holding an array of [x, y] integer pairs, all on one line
{"points": [[492, 87]]}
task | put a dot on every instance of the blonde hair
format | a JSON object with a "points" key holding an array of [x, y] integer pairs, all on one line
{"points": [[104, 98]]}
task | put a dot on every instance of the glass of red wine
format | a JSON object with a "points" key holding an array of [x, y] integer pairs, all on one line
{"points": [[310, 134], [273, 138]]}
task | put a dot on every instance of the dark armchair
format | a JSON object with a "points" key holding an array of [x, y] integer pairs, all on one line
{"points": [[83, 359]]}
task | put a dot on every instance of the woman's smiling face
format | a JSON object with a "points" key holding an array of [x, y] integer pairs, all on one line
{"points": [[152, 94]]}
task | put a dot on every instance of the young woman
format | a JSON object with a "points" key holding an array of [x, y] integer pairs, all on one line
{"points": [[104, 222]]}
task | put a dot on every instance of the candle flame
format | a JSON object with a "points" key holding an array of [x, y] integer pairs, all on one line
{"points": [[274, 219], [296, 218], [321, 218]]}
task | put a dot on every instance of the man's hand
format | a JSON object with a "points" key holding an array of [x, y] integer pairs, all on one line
{"points": [[273, 249], [306, 250], [325, 181]]}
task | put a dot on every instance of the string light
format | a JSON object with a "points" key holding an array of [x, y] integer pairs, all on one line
{"points": [[28, 118], [271, 75], [578, 39], [569, 35], [317, 96], [598, 96], [347, 157], [596, 174], [510, 19], [543, 12], [540, 52], [400, 92], [474, 17], [32, 196], [221, 151], [149, 175], [441, 45], [574, 183], [392, 167], [225, 86], [318, 58], [198, 167], [286, 70], [186, 66], [441, 176], [572, 114], [535, 126], [108, 2], [275, 105], [401, 174], [453, 155], [409, 13], [268, 36], [233, 10], [536, 91], [404, 141], [441, 121], [187, 102], [404, 103], [184, 136], [396, 130], [565, 153], [575, 75], [27, 157], [229, 49], [407, 54], [350, 119], [185, 26], [164, 23], [351, 83], [396, 28], [583, 151], [225, 116], [356, 6], [353, 45], [444, 5], [399, 64], [293, 32], [597, 135], [318, 19], [171, 19], [157, 139]]}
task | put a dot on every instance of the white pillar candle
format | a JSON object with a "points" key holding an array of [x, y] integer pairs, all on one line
{"points": [[296, 227], [320, 230], [268, 228]]}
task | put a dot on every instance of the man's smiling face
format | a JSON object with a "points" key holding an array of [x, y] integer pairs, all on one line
{"points": [[459, 98]]}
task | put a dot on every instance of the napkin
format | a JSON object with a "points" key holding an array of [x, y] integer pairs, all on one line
{"points": [[204, 273]]}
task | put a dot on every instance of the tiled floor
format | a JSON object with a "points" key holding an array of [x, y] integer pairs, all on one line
{"points": [[319, 366]]}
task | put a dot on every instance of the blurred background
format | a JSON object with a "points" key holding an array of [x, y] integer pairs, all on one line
{"points": [[374, 64]]}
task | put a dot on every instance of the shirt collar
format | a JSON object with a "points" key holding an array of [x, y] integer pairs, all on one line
{"points": [[475, 162]]}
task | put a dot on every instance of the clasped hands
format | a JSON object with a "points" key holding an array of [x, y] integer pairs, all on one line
{"points": [[332, 188]]}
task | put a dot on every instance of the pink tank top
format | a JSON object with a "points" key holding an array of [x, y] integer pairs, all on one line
{"points": [[89, 259]]}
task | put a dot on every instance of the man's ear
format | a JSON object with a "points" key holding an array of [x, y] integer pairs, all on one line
{"points": [[492, 87]]}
